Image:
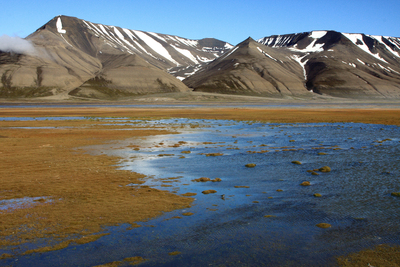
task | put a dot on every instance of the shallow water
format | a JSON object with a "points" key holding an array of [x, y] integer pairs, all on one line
{"points": [[229, 228]]}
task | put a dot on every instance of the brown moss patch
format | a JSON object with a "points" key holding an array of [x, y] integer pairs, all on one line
{"points": [[214, 154], [210, 191], [250, 165], [381, 255], [189, 194], [174, 253], [323, 225], [78, 194]]}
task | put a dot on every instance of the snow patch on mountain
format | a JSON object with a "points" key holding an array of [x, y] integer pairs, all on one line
{"points": [[155, 46], [299, 59], [380, 40], [357, 39], [59, 26], [266, 54], [318, 34], [186, 53]]}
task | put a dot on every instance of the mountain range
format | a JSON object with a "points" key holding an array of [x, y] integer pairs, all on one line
{"points": [[70, 58]]}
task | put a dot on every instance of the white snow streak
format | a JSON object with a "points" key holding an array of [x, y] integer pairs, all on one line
{"points": [[186, 53], [380, 39], [302, 64], [265, 54], [230, 52], [354, 37], [362, 62], [155, 46], [59, 26]]}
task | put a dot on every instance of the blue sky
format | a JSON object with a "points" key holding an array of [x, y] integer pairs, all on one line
{"points": [[232, 21]]}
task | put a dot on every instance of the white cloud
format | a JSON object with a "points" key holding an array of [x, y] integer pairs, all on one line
{"points": [[16, 45]]}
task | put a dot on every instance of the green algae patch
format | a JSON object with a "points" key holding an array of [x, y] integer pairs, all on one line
{"points": [[317, 195], [269, 216], [396, 194], [187, 214]]}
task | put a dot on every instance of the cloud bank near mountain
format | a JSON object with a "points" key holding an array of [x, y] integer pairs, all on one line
{"points": [[16, 45]]}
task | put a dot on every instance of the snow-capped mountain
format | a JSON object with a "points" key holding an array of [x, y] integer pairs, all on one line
{"points": [[322, 62], [77, 57], [344, 64], [70, 57]]}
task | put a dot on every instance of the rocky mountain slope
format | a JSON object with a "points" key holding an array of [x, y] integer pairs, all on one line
{"points": [[70, 57], [251, 68], [323, 62], [74, 57]]}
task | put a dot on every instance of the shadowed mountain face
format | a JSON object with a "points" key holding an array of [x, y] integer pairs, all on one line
{"points": [[323, 62], [74, 57]]}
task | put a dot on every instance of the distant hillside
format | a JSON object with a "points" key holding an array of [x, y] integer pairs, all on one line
{"points": [[74, 57], [322, 62]]}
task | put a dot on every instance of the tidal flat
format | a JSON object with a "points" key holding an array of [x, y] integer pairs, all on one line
{"points": [[105, 186]]}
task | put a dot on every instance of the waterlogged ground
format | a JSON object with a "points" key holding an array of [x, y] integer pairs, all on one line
{"points": [[257, 215]]}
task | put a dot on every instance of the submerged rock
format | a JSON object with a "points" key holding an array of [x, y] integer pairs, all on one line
{"points": [[305, 183], [296, 162], [396, 194]]}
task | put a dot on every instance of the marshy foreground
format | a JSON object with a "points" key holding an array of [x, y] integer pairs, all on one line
{"points": [[94, 184]]}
